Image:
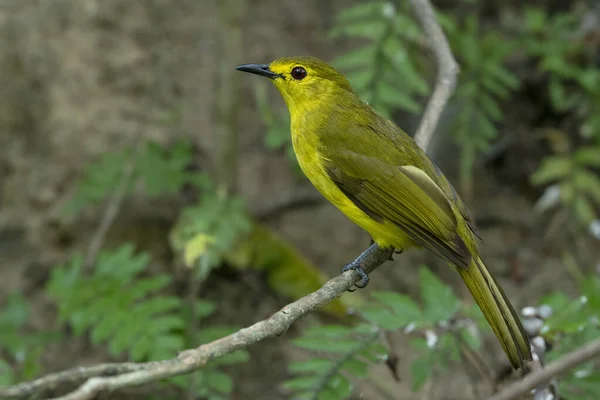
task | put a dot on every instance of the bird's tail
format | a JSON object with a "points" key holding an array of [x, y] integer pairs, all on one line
{"points": [[498, 311]]}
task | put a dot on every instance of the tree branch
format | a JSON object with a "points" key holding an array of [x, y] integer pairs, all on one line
{"points": [[447, 71], [554, 369], [131, 374]]}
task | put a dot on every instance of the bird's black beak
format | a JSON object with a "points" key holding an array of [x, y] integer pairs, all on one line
{"points": [[258, 69]]}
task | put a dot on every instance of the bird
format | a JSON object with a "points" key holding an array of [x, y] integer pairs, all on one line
{"points": [[377, 175]]}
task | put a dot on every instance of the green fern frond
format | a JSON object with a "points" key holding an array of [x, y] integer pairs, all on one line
{"points": [[161, 171], [118, 306], [21, 347], [344, 352], [206, 232], [385, 71], [484, 82]]}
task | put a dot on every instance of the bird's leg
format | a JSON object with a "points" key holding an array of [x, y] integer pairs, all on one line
{"points": [[358, 263]]}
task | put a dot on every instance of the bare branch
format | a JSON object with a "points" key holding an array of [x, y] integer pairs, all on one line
{"points": [[552, 370], [447, 71], [54, 381]]}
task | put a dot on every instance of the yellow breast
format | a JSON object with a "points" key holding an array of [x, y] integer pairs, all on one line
{"points": [[312, 163]]}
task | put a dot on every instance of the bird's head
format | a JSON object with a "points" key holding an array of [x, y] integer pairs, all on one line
{"points": [[301, 80]]}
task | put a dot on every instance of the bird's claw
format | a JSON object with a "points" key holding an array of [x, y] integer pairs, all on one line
{"points": [[394, 252], [364, 278]]}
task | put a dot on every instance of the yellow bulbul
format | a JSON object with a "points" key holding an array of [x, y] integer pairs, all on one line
{"points": [[376, 175]]}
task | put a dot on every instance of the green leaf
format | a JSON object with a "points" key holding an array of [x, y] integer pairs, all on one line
{"points": [[382, 317], [405, 309], [375, 352], [360, 11], [551, 169], [507, 78], [591, 289], [397, 98], [440, 303], [535, 19], [420, 370], [162, 170], [489, 105], [362, 57], [361, 79], [356, 367], [369, 29], [7, 376], [315, 366], [589, 183], [219, 382], [588, 156], [569, 317], [341, 386], [15, 312], [301, 383], [584, 210], [204, 308], [589, 385], [98, 181]]}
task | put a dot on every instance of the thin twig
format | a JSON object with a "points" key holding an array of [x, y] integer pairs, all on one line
{"points": [[556, 368], [113, 207], [447, 71], [191, 360]]}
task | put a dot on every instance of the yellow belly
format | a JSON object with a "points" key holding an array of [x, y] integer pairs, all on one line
{"points": [[385, 234]]}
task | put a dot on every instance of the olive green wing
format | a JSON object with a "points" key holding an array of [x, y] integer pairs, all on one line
{"points": [[402, 194]]}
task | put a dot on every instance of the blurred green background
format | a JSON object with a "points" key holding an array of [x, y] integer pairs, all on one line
{"points": [[134, 109]]}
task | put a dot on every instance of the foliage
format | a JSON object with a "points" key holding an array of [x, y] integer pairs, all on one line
{"points": [[484, 82], [157, 169], [573, 86], [574, 323], [575, 184], [118, 305], [204, 231], [210, 382], [23, 347], [208, 230], [553, 54], [347, 352], [343, 352], [386, 71]]}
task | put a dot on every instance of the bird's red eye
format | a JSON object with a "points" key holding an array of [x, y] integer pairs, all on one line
{"points": [[298, 73]]}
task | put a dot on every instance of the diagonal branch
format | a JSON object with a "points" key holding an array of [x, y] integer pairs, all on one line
{"points": [[541, 377]]}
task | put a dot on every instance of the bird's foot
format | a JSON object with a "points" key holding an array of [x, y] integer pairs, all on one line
{"points": [[396, 251], [355, 266]]}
